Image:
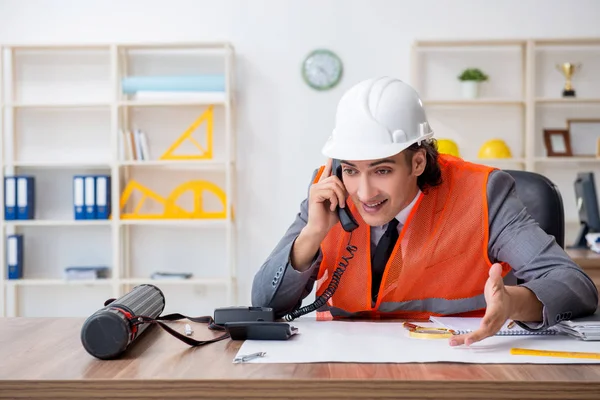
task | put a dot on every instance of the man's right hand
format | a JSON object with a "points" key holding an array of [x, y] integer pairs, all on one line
{"points": [[324, 197]]}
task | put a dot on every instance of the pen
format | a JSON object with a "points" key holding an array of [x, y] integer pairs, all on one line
{"points": [[249, 357]]}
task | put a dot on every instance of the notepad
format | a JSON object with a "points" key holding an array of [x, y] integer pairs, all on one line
{"points": [[468, 325]]}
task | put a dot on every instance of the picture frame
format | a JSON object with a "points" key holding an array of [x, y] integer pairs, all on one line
{"points": [[583, 134], [558, 142]]}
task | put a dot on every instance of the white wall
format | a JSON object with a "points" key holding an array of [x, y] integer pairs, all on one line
{"points": [[277, 112]]}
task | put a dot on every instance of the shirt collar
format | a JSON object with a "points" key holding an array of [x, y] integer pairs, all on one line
{"points": [[403, 215]]}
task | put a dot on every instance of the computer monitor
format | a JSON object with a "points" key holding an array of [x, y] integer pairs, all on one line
{"points": [[587, 206]]}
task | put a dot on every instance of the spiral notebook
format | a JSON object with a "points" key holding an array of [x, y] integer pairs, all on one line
{"points": [[468, 325]]}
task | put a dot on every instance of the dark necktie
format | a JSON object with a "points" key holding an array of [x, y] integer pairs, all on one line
{"points": [[382, 254]]}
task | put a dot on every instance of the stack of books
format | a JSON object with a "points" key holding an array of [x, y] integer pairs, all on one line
{"points": [[134, 146]]}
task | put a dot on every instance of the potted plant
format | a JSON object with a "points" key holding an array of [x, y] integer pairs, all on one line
{"points": [[471, 79]]}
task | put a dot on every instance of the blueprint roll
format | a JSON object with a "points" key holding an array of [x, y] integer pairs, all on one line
{"points": [[183, 83], [108, 332]]}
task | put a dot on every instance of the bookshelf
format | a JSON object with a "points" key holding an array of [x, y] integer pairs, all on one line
{"points": [[522, 98], [65, 111]]}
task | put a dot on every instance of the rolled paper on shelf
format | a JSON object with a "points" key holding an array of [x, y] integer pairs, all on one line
{"points": [[185, 83]]}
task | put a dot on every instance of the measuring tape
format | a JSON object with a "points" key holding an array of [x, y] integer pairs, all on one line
{"points": [[421, 332], [553, 353]]}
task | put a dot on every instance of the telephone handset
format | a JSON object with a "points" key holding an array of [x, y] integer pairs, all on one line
{"points": [[346, 218], [348, 224]]}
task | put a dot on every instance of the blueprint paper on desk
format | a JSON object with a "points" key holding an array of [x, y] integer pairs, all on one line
{"points": [[388, 342]]}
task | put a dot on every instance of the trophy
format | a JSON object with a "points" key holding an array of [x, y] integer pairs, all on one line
{"points": [[568, 69]]}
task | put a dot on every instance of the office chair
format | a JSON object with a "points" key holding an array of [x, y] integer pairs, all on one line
{"points": [[543, 202]]}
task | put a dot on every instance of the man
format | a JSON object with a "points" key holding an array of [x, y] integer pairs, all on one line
{"points": [[436, 235]]}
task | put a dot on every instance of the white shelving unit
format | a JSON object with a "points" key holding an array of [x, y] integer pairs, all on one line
{"points": [[522, 98], [63, 112]]}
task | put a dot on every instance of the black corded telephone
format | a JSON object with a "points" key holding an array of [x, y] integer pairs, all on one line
{"points": [[346, 218]]}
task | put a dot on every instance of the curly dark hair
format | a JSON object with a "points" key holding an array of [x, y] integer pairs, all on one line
{"points": [[432, 175]]}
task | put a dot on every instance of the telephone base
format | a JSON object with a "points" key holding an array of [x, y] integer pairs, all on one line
{"points": [[224, 315], [260, 330]]}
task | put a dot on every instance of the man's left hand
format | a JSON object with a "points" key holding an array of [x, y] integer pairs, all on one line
{"points": [[497, 312]]}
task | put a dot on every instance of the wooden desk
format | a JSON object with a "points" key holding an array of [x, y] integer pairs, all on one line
{"points": [[589, 261], [43, 358], [585, 258]]}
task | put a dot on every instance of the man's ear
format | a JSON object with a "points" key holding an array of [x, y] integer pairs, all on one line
{"points": [[419, 162]]}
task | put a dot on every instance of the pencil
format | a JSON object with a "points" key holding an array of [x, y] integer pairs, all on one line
{"points": [[554, 353]]}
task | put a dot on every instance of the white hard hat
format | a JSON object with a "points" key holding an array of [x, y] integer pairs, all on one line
{"points": [[377, 118]]}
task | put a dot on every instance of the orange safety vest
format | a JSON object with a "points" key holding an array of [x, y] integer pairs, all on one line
{"points": [[439, 265]]}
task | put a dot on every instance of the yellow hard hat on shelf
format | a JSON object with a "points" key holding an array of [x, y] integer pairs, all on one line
{"points": [[495, 148], [448, 146]]}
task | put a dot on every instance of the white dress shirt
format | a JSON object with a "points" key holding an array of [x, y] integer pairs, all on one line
{"points": [[378, 231]]}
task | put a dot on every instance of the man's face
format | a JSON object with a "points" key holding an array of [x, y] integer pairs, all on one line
{"points": [[380, 189]]}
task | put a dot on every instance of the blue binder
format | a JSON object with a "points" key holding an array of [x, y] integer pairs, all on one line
{"points": [[14, 256], [25, 197], [10, 198], [90, 197], [79, 197], [102, 196]]}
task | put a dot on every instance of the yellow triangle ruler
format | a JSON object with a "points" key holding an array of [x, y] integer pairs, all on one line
{"points": [[204, 153]]}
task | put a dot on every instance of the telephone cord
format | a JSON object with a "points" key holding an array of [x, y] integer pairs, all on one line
{"points": [[331, 288]]}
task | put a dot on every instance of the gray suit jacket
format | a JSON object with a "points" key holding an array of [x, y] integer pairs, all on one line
{"points": [[514, 237]]}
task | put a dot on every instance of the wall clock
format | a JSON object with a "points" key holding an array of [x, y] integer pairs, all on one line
{"points": [[322, 69]]}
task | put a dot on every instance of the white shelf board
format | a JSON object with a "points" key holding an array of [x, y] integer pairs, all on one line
{"points": [[443, 43], [559, 100], [193, 281], [556, 160], [497, 160], [57, 46], [175, 51], [473, 102], [122, 45], [567, 41], [197, 164], [49, 222], [468, 43], [59, 282], [208, 99], [175, 45], [58, 165], [205, 223], [73, 104]]}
